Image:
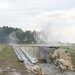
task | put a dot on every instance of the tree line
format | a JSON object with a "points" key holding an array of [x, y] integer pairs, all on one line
{"points": [[10, 35]]}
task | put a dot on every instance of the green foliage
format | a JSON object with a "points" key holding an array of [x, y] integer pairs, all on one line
{"points": [[29, 37], [10, 35], [16, 35]]}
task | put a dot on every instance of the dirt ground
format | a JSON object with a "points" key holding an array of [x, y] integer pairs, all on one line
{"points": [[9, 67], [48, 69]]}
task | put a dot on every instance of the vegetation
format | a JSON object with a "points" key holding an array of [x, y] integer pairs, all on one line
{"points": [[16, 35], [10, 35], [9, 61], [5, 73], [72, 54]]}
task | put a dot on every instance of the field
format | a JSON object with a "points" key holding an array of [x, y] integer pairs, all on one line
{"points": [[9, 64]]}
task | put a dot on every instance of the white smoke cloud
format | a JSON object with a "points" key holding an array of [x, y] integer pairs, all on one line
{"points": [[58, 25], [12, 38]]}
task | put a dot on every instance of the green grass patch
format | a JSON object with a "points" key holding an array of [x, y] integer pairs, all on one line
{"points": [[67, 48], [8, 58]]}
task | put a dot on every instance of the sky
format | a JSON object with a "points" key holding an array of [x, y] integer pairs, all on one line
{"points": [[56, 17]]}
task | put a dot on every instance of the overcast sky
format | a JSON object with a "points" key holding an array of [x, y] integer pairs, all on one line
{"points": [[54, 16]]}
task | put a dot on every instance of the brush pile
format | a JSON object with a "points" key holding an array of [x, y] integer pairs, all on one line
{"points": [[61, 58]]}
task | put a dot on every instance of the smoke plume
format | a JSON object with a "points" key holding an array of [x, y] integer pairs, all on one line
{"points": [[12, 38]]}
